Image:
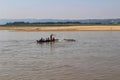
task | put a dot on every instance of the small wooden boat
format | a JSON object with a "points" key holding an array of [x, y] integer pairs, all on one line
{"points": [[52, 39], [47, 41], [56, 40]]}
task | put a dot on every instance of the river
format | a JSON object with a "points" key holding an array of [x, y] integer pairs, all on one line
{"points": [[95, 55]]}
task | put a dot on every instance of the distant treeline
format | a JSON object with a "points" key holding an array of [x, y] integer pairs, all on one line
{"points": [[42, 23], [54, 24]]}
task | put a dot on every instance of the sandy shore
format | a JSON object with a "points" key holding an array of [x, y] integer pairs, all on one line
{"points": [[61, 28]]}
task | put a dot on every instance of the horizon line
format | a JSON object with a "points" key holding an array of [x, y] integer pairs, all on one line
{"points": [[56, 18]]}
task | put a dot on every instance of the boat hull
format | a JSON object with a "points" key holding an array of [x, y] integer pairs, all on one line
{"points": [[47, 41]]}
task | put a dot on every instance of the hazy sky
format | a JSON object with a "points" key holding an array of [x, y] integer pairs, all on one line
{"points": [[59, 9]]}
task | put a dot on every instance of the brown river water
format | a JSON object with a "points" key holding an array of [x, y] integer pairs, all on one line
{"points": [[95, 55]]}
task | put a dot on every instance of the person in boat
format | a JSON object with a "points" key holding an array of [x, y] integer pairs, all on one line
{"points": [[48, 39], [42, 40], [52, 38]]}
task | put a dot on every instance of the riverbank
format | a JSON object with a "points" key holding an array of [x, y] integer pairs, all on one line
{"points": [[61, 28]]}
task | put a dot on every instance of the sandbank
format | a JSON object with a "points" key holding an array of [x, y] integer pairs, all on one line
{"points": [[61, 28]]}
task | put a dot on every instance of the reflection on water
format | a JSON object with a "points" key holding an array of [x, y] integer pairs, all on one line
{"points": [[94, 56]]}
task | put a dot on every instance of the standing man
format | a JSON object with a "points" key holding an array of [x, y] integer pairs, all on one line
{"points": [[51, 36]]}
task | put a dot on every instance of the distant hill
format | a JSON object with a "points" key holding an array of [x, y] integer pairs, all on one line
{"points": [[85, 21]]}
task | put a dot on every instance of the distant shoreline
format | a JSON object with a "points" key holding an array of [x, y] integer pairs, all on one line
{"points": [[63, 28]]}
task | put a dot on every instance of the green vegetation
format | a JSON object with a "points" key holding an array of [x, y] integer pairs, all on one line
{"points": [[56, 24], [43, 24]]}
